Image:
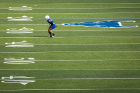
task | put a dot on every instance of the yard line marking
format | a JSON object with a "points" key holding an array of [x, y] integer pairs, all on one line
{"points": [[69, 36], [79, 30], [88, 44], [87, 89], [83, 30], [30, 37], [70, 51], [74, 89], [74, 69], [89, 30], [82, 8], [73, 13], [87, 78], [73, 3], [84, 18], [28, 24], [88, 60], [91, 44]]}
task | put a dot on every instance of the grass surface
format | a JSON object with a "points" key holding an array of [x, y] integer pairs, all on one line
{"points": [[78, 59]]}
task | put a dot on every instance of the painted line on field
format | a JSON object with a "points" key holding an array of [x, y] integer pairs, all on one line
{"points": [[88, 78], [28, 24], [89, 30], [73, 89], [93, 60], [56, 24], [81, 30], [89, 60], [73, 3], [71, 51], [92, 44], [82, 8], [31, 37], [69, 36], [87, 44], [83, 18], [74, 13], [77, 69]]}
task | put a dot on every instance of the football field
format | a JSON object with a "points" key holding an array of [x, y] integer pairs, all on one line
{"points": [[96, 47]]}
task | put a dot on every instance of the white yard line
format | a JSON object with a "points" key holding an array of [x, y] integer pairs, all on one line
{"points": [[92, 60], [88, 60], [74, 3], [72, 51], [72, 13], [77, 69], [81, 8], [79, 30], [69, 36], [87, 44], [87, 78], [28, 24], [92, 44], [73, 89]]}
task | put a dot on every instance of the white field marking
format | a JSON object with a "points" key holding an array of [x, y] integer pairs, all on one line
{"points": [[86, 78], [18, 61], [11, 80], [76, 3], [74, 89], [87, 44], [71, 51], [28, 24], [92, 44], [80, 78], [93, 3], [90, 60], [56, 24], [79, 30], [31, 37], [77, 69], [84, 30], [81, 8], [72, 13], [69, 36]]}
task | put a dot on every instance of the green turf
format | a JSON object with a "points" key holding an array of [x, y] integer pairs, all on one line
{"points": [[78, 59]]}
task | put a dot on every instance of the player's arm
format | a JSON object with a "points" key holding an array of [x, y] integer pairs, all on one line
{"points": [[51, 22]]}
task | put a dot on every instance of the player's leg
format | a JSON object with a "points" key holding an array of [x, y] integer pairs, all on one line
{"points": [[50, 32]]}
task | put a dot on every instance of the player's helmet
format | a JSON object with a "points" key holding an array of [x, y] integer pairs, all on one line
{"points": [[47, 17]]}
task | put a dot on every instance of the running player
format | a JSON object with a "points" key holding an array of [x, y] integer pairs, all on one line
{"points": [[52, 25]]}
